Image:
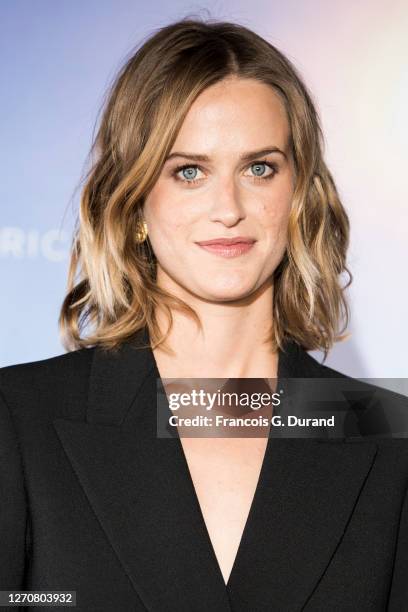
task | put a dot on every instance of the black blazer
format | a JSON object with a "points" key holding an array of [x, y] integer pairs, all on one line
{"points": [[92, 500]]}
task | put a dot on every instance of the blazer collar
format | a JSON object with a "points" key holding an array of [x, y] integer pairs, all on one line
{"points": [[140, 489], [116, 379]]}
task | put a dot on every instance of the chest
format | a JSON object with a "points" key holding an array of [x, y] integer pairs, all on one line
{"points": [[225, 474]]}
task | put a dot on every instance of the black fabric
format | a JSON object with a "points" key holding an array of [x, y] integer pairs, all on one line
{"points": [[92, 500]]}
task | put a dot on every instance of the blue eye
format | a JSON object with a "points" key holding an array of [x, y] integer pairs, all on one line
{"points": [[259, 167], [190, 172]]}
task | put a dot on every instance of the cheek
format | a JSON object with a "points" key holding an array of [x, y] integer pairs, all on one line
{"points": [[275, 214], [274, 220], [163, 209], [167, 227]]}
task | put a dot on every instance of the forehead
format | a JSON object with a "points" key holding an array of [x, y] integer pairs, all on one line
{"points": [[233, 115]]}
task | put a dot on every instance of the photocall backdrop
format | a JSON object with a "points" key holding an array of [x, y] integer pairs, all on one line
{"points": [[57, 60]]}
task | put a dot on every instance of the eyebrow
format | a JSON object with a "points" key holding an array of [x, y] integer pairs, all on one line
{"points": [[244, 157]]}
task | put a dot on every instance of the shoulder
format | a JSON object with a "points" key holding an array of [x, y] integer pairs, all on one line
{"points": [[369, 388], [74, 362], [370, 410], [52, 380]]}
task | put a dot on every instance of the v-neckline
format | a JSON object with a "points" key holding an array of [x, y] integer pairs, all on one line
{"points": [[249, 519], [285, 368]]}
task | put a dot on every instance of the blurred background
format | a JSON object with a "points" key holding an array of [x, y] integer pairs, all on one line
{"points": [[58, 59]]}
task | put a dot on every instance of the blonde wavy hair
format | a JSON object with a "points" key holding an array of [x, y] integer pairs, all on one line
{"points": [[112, 276]]}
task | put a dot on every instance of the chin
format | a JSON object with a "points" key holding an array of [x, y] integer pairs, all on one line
{"points": [[224, 294]]}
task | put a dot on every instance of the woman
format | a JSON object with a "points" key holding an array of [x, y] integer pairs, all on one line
{"points": [[208, 135]]}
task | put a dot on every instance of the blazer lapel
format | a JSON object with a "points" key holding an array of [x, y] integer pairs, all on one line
{"points": [[305, 497], [306, 494], [141, 492], [140, 489]]}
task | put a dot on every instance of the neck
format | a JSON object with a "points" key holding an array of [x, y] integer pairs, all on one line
{"points": [[231, 343]]}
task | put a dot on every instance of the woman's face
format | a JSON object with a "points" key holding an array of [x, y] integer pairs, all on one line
{"points": [[238, 188]]}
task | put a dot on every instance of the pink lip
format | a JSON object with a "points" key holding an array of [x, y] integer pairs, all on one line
{"points": [[228, 250], [228, 241]]}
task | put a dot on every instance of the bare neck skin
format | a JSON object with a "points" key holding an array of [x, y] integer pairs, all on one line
{"points": [[231, 344]]}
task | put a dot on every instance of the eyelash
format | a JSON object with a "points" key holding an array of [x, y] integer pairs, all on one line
{"points": [[270, 165]]}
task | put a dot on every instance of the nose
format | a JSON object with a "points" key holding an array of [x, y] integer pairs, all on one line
{"points": [[227, 207]]}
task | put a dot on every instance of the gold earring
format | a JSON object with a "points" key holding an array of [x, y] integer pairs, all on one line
{"points": [[141, 233]]}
